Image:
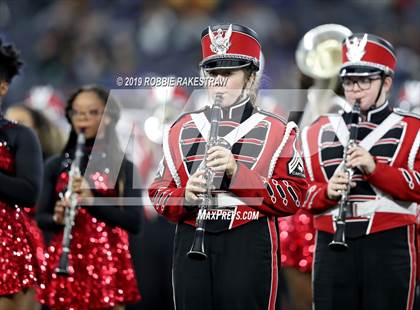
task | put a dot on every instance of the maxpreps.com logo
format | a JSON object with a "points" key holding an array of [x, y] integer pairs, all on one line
{"points": [[228, 215]]}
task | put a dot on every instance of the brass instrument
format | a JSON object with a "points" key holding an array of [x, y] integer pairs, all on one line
{"points": [[318, 56]]}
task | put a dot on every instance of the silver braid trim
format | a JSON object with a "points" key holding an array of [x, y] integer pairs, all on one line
{"points": [[384, 68], [307, 153], [413, 152], [289, 127], [169, 160]]}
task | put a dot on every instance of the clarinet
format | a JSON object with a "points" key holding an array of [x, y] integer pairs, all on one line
{"points": [[197, 251], [339, 240], [71, 210]]}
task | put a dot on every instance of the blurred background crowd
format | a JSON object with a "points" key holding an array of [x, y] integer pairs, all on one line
{"points": [[69, 43]]}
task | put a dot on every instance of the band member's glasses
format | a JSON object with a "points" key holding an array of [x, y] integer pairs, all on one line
{"points": [[363, 83]]}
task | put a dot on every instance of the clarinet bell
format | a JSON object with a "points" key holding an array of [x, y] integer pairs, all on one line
{"points": [[62, 271], [197, 249], [63, 264], [338, 243], [338, 246]]}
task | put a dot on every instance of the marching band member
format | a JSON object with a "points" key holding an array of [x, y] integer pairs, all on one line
{"points": [[318, 57], [101, 270], [377, 270], [256, 166], [20, 185]]}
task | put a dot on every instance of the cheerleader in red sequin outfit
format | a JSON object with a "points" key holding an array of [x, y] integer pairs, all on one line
{"points": [[20, 184], [101, 270]]}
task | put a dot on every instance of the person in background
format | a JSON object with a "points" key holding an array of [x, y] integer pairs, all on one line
{"points": [[49, 135], [20, 186], [51, 144], [101, 270]]}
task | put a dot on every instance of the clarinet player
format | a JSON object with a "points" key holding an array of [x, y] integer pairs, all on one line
{"points": [[101, 274], [377, 269], [257, 168]]}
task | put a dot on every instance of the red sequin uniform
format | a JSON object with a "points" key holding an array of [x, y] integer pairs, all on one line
{"points": [[101, 271], [21, 247], [297, 235]]}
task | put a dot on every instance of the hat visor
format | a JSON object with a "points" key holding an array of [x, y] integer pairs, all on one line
{"points": [[216, 64], [359, 71]]}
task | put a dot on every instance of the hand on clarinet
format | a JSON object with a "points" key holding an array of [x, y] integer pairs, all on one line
{"points": [[59, 209], [195, 186], [220, 159], [360, 158], [338, 184], [81, 187]]}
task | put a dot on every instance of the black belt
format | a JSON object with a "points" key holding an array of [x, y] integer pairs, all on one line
{"points": [[219, 223], [355, 226]]}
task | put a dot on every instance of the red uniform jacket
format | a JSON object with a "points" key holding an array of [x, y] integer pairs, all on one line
{"points": [[270, 176], [386, 198]]}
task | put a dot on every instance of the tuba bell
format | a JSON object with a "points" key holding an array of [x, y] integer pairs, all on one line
{"points": [[318, 56]]}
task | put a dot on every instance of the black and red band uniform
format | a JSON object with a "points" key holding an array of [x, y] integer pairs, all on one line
{"points": [[378, 269], [242, 268]]}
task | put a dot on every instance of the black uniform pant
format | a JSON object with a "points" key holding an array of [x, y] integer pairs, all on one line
{"points": [[240, 272], [376, 272]]}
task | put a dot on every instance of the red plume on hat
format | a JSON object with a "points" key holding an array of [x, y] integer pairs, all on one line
{"points": [[230, 46], [367, 54]]}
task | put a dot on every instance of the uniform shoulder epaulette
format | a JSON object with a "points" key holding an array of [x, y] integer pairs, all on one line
{"points": [[406, 113], [187, 113], [279, 117]]}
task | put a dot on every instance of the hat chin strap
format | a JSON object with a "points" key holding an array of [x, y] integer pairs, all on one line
{"points": [[380, 89]]}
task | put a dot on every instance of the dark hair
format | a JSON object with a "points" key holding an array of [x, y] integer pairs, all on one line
{"points": [[10, 62], [48, 134], [113, 110]]}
